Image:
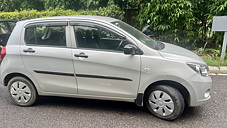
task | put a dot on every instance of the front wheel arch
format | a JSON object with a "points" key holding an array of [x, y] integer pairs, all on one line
{"points": [[184, 92]]}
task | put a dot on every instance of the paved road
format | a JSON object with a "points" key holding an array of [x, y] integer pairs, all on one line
{"points": [[77, 113]]}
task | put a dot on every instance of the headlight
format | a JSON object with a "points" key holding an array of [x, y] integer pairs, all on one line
{"points": [[201, 69]]}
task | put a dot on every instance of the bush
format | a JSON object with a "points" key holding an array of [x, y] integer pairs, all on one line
{"points": [[214, 61], [31, 14]]}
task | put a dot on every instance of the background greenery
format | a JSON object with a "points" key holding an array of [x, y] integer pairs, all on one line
{"points": [[31, 14], [183, 22]]}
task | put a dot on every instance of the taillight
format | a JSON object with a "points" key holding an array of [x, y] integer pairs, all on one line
{"points": [[3, 53]]}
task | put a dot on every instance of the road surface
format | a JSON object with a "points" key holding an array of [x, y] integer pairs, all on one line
{"points": [[55, 112]]}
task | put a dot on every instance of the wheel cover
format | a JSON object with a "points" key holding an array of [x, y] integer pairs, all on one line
{"points": [[161, 103], [20, 92]]}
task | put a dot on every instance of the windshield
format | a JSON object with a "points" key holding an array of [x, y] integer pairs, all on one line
{"points": [[137, 34]]}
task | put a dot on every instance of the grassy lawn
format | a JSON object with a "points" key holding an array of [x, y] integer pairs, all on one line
{"points": [[211, 56], [214, 61]]}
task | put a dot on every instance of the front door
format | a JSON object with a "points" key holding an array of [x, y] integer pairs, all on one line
{"points": [[101, 67], [47, 56]]}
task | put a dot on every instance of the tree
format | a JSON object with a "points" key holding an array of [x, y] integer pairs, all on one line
{"points": [[12, 5], [74, 4], [217, 8], [171, 20], [183, 22], [61, 4], [9, 5]]}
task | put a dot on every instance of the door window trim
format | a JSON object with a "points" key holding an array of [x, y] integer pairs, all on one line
{"points": [[49, 24], [95, 25]]}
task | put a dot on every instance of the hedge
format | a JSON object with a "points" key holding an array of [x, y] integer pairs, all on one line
{"points": [[31, 14]]}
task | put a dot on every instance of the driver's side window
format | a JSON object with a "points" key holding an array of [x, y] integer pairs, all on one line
{"points": [[98, 38]]}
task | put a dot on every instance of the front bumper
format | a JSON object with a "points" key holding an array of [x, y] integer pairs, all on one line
{"points": [[199, 88]]}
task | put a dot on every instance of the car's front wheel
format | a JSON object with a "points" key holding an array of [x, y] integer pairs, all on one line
{"points": [[164, 102], [21, 91]]}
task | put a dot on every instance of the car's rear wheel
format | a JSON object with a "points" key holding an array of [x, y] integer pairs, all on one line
{"points": [[22, 91], [164, 102]]}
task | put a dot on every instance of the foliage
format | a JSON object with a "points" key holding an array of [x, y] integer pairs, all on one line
{"points": [[200, 27], [170, 19], [12, 5], [63, 4], [183, 22], [217, 8], [93, 4], [31, 14], [211, 56], [211, 52], [214, 53], [201, 51], [72, 4], [214, 61]]}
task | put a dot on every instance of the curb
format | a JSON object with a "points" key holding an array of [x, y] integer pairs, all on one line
{"points": [[217, 74], [215, 70]]}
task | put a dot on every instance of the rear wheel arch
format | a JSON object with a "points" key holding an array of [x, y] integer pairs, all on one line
{"points": [[10, 76]]}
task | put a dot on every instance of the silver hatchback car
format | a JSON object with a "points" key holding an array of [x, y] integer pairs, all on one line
{"points": [[101, 58]]}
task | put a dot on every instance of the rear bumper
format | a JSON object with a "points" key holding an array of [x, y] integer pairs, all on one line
{"points": [[199, 88]]}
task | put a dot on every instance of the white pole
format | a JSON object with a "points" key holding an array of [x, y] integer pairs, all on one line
{"points": [[224, 46]]}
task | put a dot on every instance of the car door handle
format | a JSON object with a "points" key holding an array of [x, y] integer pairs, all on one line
{"points": [[81, 55], [29, 50]]}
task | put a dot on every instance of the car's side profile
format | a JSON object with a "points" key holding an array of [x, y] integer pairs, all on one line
{"points": [[101, 58]]}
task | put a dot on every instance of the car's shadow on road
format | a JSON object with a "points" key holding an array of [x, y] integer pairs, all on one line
{"points": [[191, 112], [89, 104], [121, 108]]}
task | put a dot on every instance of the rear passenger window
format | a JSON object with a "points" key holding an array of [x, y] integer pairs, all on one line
{"points": [[46, 36]]}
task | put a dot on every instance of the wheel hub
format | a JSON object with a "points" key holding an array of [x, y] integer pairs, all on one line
{"points": [[20, 92], [160, 103]]}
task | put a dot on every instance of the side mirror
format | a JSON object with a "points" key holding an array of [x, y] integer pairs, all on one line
{"points": [[130, 49]]}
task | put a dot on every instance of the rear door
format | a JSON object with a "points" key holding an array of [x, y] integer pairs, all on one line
{"points": [[46, 54], [101, 67]]}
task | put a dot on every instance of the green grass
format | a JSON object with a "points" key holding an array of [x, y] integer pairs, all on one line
{"points": [[214, 61]]}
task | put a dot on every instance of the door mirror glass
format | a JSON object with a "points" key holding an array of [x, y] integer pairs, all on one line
{"points": [[130, 49]]}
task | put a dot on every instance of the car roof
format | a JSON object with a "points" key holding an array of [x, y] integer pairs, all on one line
{"points": [[4, 20], [76, 17]]}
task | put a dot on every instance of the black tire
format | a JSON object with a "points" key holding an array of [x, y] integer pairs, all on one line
{"points": [[22, 91], [164, 101]]}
